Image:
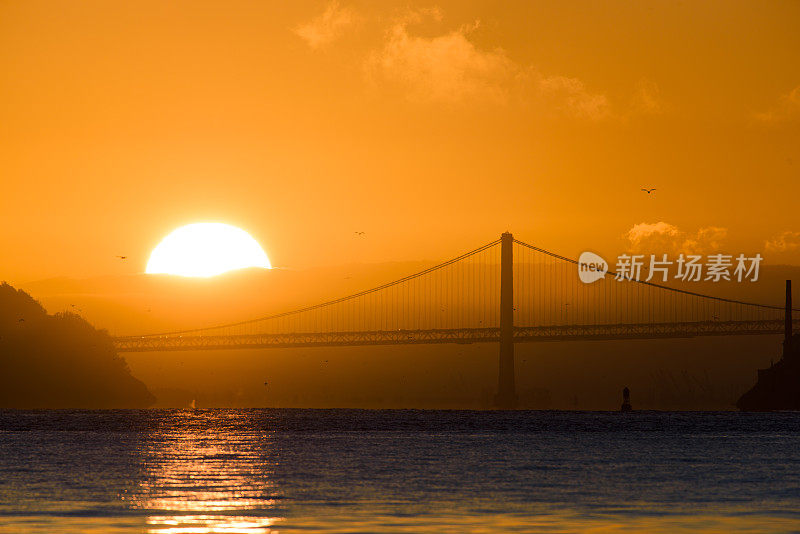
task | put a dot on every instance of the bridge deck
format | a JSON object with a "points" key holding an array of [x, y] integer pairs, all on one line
{"points": [[522, 334]]}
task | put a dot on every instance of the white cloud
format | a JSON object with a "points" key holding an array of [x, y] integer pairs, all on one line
{"points": [[665, 238], [709, 239], [571, 97], [451, 68], [784, 242], [652, 237], [787, 109], [647, 98], [328, 26], [443, 68]]}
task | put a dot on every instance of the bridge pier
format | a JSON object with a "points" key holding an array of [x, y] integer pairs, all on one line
{"points": [[506, 397]]}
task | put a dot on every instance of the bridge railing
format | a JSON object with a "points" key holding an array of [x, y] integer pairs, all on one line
{"points": [[522, 334], [463, 295]]}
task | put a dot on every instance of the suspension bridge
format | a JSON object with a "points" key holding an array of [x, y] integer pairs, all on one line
{"points": [[505, 292]]}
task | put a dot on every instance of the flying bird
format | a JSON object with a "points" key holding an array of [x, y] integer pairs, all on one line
{"points": [[648, 191], [359, 233], [122, 257]]}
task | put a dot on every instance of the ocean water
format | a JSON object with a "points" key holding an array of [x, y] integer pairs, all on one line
{"points": [[258, 471]]}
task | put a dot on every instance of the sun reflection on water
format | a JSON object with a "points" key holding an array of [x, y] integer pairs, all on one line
{"points": [[205, 478], [204, 524]]}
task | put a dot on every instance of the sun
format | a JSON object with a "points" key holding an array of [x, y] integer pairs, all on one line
{"points": [[206, 249]]}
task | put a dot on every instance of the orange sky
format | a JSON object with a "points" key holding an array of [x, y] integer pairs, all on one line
{"points": [[430, 126]]}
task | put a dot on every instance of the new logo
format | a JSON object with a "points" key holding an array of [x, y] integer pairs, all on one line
{"points": [[591, 267]]}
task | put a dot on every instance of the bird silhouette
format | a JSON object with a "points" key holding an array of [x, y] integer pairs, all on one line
{"points": [[648, 191], [122, 257], [359, 233]]}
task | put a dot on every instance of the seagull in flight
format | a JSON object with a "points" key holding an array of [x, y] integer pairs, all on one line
{"points": [[359, 233], [648, 191], [122, 257]]}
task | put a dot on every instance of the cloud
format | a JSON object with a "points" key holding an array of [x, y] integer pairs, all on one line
{"points": [[571, 97], [328, 26], [787, 109], [784, 242], [647, 98], [665, 238], [450, 68], [443, 68], [709, 239], [655, 237]]}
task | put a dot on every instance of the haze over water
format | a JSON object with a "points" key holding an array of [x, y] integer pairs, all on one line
{"points": [[252, 471]]}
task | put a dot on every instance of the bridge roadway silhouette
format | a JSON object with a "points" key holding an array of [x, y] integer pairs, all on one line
{"points": [[483, 296], [522, 334]]}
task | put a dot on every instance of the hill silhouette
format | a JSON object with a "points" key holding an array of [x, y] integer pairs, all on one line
{"points": [[59, 361]]}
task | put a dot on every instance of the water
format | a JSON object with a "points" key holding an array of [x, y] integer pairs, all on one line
{"points": [[256, 471]]}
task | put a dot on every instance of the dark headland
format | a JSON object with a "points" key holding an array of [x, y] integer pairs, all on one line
{"points": [[60, 360], [778, 386]]}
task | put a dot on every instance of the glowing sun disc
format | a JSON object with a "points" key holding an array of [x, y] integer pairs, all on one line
{"points": [[206, 249]]}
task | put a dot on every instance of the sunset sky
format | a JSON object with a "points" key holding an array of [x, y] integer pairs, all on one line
{"points": [[399, 265], [432, 127]]}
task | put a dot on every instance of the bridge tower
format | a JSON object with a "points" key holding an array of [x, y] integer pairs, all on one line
{"points": [[506, 388], [787, 329]]}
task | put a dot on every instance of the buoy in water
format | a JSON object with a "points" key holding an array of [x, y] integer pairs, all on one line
{"points": [[626, 400]]}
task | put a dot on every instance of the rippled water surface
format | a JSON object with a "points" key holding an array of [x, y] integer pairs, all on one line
{"points": [[255, 471]]}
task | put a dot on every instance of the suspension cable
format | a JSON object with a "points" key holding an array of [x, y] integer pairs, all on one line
{"points": [[332, 302], [676, 290]]}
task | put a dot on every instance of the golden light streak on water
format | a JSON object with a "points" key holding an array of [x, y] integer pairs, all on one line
{"points": [[214, 482]]}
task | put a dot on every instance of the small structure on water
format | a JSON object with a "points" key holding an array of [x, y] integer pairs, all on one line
{"points": [[626, 400]]}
